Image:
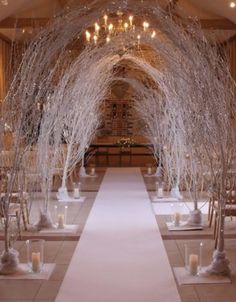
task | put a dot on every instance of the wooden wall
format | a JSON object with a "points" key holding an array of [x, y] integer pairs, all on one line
{"points": [[231, 52], [5, 49]]}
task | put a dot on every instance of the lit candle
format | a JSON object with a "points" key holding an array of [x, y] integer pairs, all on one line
{"points": [[92, 171], [138, 37], [108, 39], [60, 221], [35, 262], [110, 28], [160, 192], [193, 264], [76, 193], [153, 35], [149, 171], [95, 38], [131, 20], [177, 217], [126, 25], [97, 28], [88, 36], [105, 17], [145, 25]]}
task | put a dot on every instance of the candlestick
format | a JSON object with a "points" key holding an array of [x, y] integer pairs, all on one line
{"points": [[145, 25], [97, 28], [177, 217], [105, 20], [153, 35], [88, 36], [61, 220], [110, 28], [36, 262], [193, 264], [131, 20], [95, 38]]}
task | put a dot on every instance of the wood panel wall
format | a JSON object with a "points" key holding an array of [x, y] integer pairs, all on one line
{"points": [[5, 50], [231, 53]]}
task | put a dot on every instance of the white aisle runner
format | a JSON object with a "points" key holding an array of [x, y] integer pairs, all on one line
{"points": [[120, 256]]}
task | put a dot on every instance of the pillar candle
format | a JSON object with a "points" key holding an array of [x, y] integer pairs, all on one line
{"points": [[76, 193], [60, 221], [160, 192], [177, 217], [193, 264], [36, 262], [149, 171], [92, 171]]}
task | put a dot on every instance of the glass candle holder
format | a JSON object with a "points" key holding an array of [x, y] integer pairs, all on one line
{"points": [[193, 257], [176, 210], [77, 190], [35, 254], [159, 189], [60, 216]]}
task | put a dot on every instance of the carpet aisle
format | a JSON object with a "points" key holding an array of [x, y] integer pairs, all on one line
{"points": [[120, 255]]}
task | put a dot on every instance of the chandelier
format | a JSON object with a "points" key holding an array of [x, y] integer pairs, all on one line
{"points": [[106, 29]]}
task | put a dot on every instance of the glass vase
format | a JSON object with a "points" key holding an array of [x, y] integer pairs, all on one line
{"points": [[193, 257], [35, 254], [60, 216]]}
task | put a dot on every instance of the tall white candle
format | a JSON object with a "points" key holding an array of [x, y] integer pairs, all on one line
{"points": [[35, 262], [149, 170], [61, 220], [193, 264]]}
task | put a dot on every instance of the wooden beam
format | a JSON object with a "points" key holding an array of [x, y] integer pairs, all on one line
{"points": [[4, 38], [171, 6], [223, 24], [23, 22]]}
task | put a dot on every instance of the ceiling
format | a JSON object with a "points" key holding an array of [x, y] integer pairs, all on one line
{"points": [[208, 10]]}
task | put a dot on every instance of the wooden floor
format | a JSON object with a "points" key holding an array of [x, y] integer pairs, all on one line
{"points": [[60, 251]]}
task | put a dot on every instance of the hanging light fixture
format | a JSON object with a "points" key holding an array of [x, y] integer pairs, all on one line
{"points": [[106, 30]]}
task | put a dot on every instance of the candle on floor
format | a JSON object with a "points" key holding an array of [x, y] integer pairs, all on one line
{"points": [[160, 192], [92, 171], [177, 217], [61, 221], [193, 264], [36, 262], [76, 193]]}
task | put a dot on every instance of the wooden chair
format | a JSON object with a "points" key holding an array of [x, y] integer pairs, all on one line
{"points": [[230, 210], [18, 200]]}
